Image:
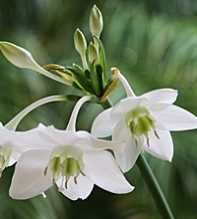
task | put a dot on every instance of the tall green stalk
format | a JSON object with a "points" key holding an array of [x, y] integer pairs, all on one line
{"points": [[154, 188]]}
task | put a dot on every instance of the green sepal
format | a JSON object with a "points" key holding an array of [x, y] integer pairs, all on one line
{"points": [[81, 80], [94, 80], [87, 73], [99, 73]]}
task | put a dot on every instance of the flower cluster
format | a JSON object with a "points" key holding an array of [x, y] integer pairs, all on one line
{"points": [[76, 160]]}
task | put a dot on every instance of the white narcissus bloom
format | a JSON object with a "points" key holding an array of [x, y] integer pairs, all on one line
{"points": [[143, 123], [70, 159]]}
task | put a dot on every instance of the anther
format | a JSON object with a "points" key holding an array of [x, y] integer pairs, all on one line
{"points": [[156, 134], [147, 141]]}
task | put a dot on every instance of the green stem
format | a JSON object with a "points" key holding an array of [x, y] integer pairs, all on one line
{"points": [[152, 183], [154, 188]]}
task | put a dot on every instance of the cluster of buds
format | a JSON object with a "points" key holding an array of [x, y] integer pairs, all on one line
{"points": [[93, 76]]}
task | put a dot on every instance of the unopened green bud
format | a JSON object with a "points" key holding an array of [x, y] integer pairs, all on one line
{"points": [[80, 42], [96, 21], [92, 52]]}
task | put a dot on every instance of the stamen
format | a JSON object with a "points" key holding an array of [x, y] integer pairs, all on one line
{"points": [[45, 171], [82, 173], [148, 141], [66, 182], [75, 179], [140, 123], [136, 142], [64, 163], [156, 134]]}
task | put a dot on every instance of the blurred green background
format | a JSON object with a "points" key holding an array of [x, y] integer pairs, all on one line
{"points": [[154, 43]]}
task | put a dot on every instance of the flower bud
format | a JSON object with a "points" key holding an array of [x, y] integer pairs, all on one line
{"points": [[92, 52], [22, 58], [80, 42], [96, 21]]}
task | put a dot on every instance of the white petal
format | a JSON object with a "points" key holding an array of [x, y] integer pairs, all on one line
{"points": [[127, 152], [59, 137], [103, 124], [175, 118], [32, 139], [21, 58], [102, 169], [87, 142], [73, 118], [165, 95], [81, 190], [29, 179], [13, 158], [161, 147], [126, 105]]}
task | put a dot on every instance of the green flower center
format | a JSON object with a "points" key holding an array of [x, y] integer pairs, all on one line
{"points": [[140, 123], [65, 162]]}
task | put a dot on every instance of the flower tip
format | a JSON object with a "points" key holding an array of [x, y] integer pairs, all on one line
{"points": [[130, 188], [170, 159], [41, 126], [80, 42], [96, 21]]}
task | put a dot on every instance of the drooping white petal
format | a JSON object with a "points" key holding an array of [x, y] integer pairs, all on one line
{"points": [[21, 58], [13, 123], [103, 124], [29, 179], [72, 122], [127, 152], [74, 191], [102, 169], [161, 147], [165, 95], [175, 118]]}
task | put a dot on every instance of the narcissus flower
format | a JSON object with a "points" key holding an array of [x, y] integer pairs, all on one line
{"points": [[73, 160], [143, 123]]}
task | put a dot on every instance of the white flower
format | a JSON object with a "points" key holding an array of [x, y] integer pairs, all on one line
{"points": [[70, 159], [143, 123]]}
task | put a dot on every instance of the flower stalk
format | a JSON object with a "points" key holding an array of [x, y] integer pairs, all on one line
{"points": [[154, 188]]}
